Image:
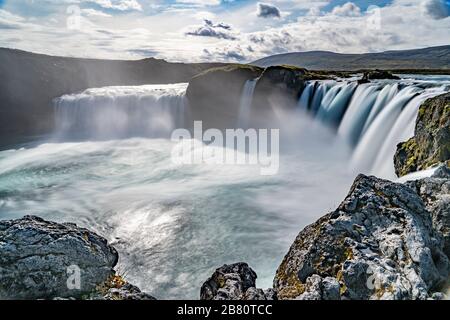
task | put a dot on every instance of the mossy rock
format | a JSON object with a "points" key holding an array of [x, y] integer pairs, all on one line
{"points": [[431, 143]]}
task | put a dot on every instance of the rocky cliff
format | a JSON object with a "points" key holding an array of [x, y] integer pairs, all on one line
{"points": [[431, 142], [215, 95], [29, 82]]}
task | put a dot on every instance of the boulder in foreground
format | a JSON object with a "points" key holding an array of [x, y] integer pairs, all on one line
{"points": [[47, 260], [234, 282], [379, 244]]}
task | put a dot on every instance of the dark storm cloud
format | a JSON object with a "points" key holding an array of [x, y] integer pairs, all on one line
{"points": [[144, 52], [209, 29], [437, 9], [265, 10], [225, 54]]}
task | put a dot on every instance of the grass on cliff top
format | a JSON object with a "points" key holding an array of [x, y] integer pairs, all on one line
{"points": [[309, 75], [314, 74], [231, 68]]}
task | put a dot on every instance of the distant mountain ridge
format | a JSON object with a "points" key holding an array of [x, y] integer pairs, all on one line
{"points": [[427, 58]]}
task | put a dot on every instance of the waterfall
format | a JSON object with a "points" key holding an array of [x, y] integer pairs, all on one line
{"points": [[304, 101], [119, 112], [358, 111], [373, 118], [246, 103]]}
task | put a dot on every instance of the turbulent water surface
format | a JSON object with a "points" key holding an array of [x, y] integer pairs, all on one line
{"points": [[174, 224]]}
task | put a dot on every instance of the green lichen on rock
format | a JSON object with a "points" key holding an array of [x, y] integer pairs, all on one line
{"points": [[431, 143]]}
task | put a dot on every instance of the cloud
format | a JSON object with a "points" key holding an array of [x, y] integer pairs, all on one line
{"points": [[437, 9], [10, 21], [95, 13], [244, 38], [121, 5], [209, 29], [347, 10], [201, 3], [225, 54], [144, 52], [265, 10]]}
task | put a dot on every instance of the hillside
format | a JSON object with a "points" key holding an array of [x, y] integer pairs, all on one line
{"points": [[428, 58]]}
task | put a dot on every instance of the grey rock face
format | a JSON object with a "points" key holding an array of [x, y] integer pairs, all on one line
{"points": [[435, 193], [234, 282], [38, 258], [318, 288], [379, 244]]}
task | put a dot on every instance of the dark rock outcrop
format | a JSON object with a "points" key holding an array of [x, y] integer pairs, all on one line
{"points": [[379, 244], [47, 260], [431, 142], [234, 282], [377, 75], [214, 95], [278, 88]]}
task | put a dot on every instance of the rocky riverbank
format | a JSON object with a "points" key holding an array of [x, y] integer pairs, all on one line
{"points": [[47, 260], [385, 241]]}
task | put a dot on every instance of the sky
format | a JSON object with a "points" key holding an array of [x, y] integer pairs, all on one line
{"points": [[219, 30]]}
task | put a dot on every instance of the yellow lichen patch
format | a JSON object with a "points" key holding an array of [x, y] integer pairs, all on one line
{"points": [[113, 282], [379, 292], [293, 289], [349, 253], [340, 278]]}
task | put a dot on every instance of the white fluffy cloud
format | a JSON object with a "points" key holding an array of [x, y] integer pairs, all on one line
{"points": [[122, 5], [347, 10], [200, 2], [209, 29]]}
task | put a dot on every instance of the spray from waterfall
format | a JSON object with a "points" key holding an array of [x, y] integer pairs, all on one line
{"points": [[152, 111]]}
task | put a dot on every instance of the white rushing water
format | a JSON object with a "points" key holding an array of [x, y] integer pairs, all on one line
{"points": [[373, 118], [110, 170], [246, 103], [151, 111]]}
